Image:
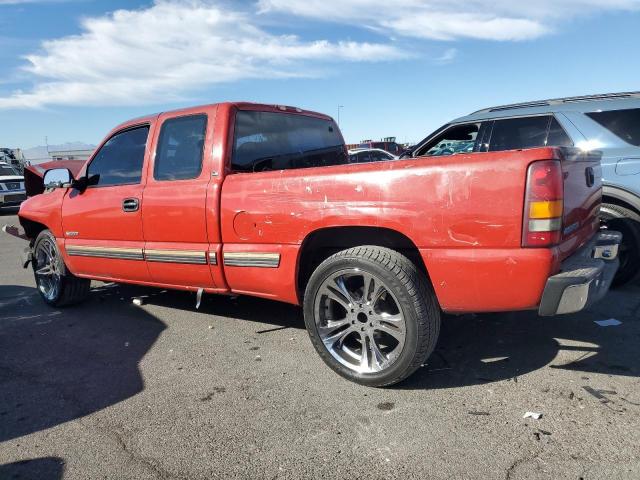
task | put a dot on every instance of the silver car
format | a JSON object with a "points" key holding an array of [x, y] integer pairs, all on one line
{"points": [[609, 123], [12, 192]]}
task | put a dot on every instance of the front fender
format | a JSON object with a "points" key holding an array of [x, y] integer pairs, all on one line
{"points": [[44, 209]]}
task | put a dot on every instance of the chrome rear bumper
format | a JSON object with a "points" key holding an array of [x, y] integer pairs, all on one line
{"points": [[585, 276]]}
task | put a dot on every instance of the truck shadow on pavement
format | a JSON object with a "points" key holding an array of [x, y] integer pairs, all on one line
{"points": [[59, 365], [46, 468], [477, 349]]}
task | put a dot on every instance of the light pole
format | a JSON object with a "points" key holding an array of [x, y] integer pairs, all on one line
{"points": [[339, 107]]}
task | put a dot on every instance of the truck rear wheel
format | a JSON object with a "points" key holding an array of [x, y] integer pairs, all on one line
{"points": [[57, 285], [627, 222], [371, 315]]}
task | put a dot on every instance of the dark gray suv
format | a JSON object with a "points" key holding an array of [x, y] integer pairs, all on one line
{"points": [[609, 123]]}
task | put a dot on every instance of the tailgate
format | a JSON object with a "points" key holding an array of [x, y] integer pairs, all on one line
{"points": [[582, 197]]}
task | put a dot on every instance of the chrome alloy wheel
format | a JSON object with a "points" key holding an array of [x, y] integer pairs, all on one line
{"points": [[47, 270], [359, 320]]}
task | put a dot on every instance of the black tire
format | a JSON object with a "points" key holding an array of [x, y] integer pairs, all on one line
{"points": [[66, 289], [627, 222], [416, 302]]}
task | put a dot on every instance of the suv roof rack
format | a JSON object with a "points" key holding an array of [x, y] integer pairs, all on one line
{"points": [[556, 101]]}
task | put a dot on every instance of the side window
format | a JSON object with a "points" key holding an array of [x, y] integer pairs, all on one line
{"points": [[179, 152], [456, 139], [557, 137], [381, 156], [276, 141], [482, 140], [119, 161], [624, 123], [519, 133], [364, 157]]}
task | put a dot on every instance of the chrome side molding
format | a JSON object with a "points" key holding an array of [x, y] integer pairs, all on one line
{"points": [[251, 259], [176, 256], [120, 253]]}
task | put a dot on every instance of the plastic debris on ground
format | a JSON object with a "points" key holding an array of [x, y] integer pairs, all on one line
{"points": [[138, 301], [611, 322], [199, 297], [534, 415], [494, 359]]}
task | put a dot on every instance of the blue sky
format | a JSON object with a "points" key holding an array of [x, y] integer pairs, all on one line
{"points": [[72, 69]]}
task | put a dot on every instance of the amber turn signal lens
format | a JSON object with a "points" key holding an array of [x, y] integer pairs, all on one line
{"points": [[545, 209]]}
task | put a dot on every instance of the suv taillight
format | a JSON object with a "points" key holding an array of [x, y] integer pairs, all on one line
{"points": [[542, 219]]}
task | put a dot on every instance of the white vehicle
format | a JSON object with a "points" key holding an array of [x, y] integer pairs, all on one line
{"points": [[12, 192], [14, 157], [366, 155]]}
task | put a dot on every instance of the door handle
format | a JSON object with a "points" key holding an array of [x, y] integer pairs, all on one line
{"points": [[130, 205], [590, 175]]}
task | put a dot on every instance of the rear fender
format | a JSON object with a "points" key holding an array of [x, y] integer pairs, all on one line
{"points": [[621, 195]]}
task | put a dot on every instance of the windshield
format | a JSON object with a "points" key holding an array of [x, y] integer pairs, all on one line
{"points": [[7, 170]]}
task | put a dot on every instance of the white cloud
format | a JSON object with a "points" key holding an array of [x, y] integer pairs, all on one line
{"points": [[447, 56], [451, 19], [169, 50]]}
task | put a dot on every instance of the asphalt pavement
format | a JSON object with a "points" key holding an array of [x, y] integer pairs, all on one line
{"points": [[109, 389]]}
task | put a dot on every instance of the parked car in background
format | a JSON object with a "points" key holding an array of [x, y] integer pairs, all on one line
{"points": [[12, 191], [366, 155], [14, 157], [240, 198], [609, 123], [388, 144]]}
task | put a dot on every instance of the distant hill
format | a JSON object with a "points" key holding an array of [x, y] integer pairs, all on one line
{"points": [[39, 154]]}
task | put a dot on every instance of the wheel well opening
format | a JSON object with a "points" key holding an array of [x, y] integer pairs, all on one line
{"points": [[620, 203], [31, 228], [323, 243]]}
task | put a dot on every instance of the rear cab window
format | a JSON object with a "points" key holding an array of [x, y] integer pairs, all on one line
{"points": [[266, 141], [623, 123]]}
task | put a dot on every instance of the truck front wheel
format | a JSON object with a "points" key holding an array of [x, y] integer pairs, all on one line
{"points": [[57, 286], [371, 315]]}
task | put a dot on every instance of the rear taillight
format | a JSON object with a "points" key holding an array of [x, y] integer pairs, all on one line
{"points": [[542, 219]]}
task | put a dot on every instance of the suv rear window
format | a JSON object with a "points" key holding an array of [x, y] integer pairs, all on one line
{"points": [[624, 123], [518, 133], [277, 141], [528, 132]]}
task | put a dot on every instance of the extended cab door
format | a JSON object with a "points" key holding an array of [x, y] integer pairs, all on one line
{"points": [[103, 225], [179, 188]]}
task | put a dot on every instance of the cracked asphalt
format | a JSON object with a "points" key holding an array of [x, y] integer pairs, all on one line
{"points": [[113, 390]]}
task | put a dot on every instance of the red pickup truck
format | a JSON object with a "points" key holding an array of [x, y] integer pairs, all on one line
{"points": [[240, 198]]}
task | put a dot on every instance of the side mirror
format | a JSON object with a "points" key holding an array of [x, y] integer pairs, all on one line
{"points": [[57, 178], [81, 184]]}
